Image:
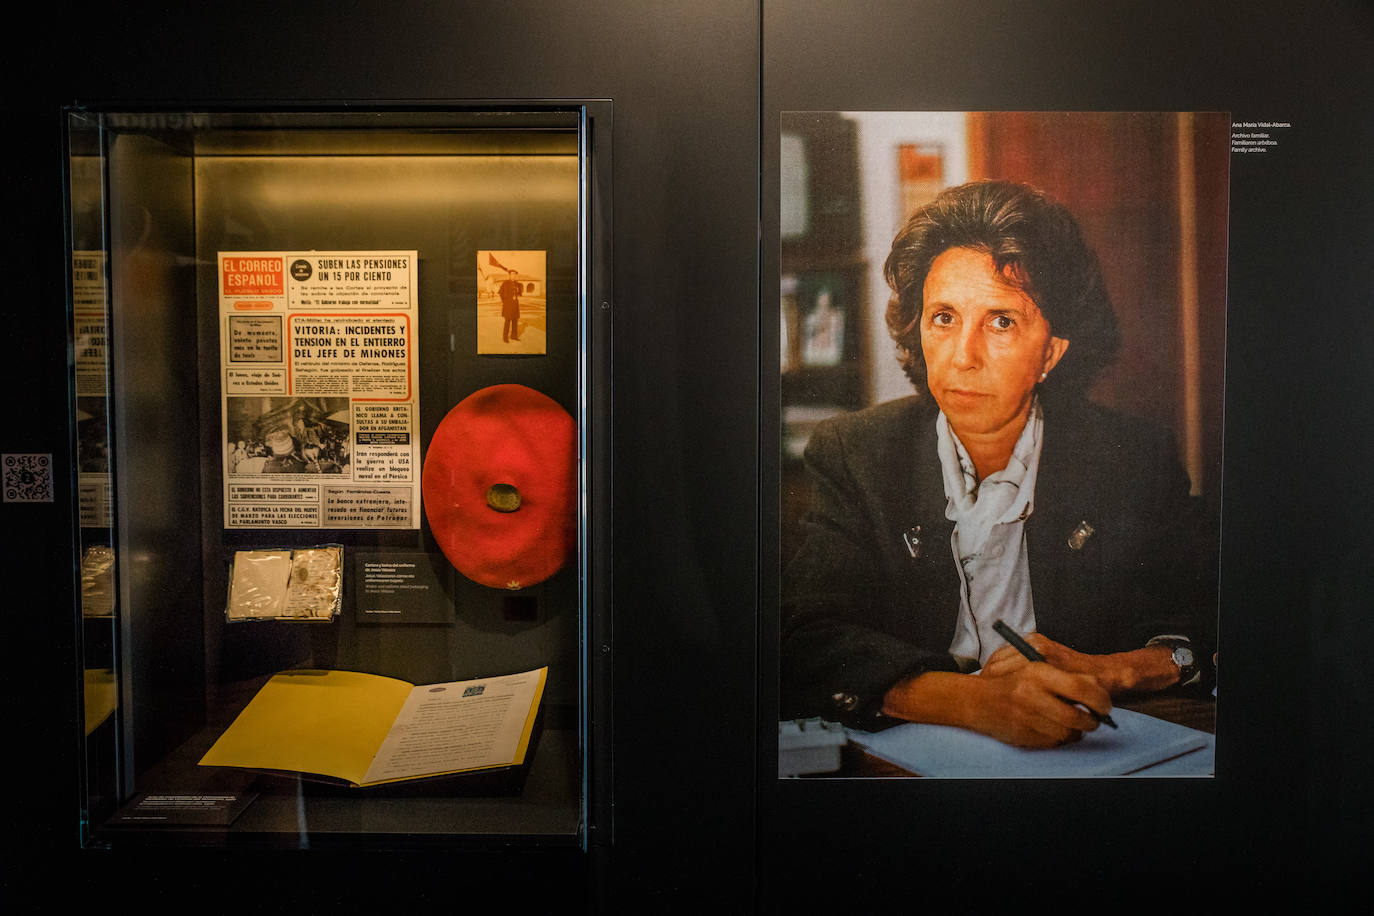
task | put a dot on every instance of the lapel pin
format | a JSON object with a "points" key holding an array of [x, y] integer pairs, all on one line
{"points": [[1080, 536], [912, 538]]}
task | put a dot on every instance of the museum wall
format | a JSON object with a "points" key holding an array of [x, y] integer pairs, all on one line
{"points": [[697, 87]]}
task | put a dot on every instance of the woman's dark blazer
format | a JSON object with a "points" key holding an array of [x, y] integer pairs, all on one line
{"points": [[860, 613]]}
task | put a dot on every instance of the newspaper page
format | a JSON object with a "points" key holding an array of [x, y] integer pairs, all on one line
{"points": [[90, 355], [320, 389]]}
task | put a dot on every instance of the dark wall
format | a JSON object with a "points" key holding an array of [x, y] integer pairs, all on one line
{"points": [[685, 79], [683, 76], [1295, 384]]}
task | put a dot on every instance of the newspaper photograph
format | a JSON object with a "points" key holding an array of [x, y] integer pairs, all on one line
{"points": [[320, 394]]}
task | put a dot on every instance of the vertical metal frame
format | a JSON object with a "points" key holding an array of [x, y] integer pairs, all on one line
{"points": [[595, 425]]}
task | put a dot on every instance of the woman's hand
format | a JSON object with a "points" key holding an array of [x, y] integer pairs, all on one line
{"points": [[1151, 668], [1027, 707]]}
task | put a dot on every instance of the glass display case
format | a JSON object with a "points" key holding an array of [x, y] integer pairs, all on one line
{"points": [[341, 407]]}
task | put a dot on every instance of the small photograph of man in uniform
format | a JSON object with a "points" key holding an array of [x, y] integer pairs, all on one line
{"points": [[511, 302]]}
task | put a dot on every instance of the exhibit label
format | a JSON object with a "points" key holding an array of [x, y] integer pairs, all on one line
{"points": [[397, 588]]}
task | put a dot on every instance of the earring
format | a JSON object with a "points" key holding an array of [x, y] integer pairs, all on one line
{"points": [[1043, 376]]}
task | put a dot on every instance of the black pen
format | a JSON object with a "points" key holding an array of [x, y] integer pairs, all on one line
{"points": [[1029, 652]]}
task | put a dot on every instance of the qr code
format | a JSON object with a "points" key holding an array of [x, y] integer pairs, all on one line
{"points": [[27, 478]]}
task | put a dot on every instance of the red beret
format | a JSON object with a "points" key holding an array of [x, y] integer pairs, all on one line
{"points": [[500, 486]]}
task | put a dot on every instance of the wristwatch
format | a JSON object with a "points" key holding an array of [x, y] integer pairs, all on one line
{"points": [[1182, 656]]}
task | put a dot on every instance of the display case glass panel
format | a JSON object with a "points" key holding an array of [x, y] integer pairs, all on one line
{"points": [[341, 408]]}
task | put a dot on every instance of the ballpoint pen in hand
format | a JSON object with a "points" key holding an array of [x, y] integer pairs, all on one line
{"points": [[1029, 652]]}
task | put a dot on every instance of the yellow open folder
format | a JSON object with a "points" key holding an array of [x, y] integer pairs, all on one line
{"points": [[367, 730]]}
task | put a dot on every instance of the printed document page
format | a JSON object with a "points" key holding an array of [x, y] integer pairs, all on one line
{"points": [[465, 725]]}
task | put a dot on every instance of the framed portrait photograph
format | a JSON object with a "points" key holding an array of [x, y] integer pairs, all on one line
{"points": [[1003, 341]]}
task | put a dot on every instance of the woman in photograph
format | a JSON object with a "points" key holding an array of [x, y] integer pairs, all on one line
{"points": [[997, 493]]}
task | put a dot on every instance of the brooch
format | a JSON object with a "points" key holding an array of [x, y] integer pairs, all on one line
{"points": [[912, 538], [1080, 536]]}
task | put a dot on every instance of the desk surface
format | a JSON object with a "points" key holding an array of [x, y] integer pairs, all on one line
{"points": [[1185, 709]]}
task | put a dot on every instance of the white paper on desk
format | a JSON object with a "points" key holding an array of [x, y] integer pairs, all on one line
{"points": [[1141, 741]]}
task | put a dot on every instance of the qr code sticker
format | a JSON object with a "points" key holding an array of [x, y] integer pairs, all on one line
{"points": [[27, 478]]}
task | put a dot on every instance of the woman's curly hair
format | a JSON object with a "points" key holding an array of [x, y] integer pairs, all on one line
{"points": [[1036, 246]]}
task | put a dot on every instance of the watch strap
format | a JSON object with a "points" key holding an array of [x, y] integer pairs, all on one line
{"points": [[1183, 656]]}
